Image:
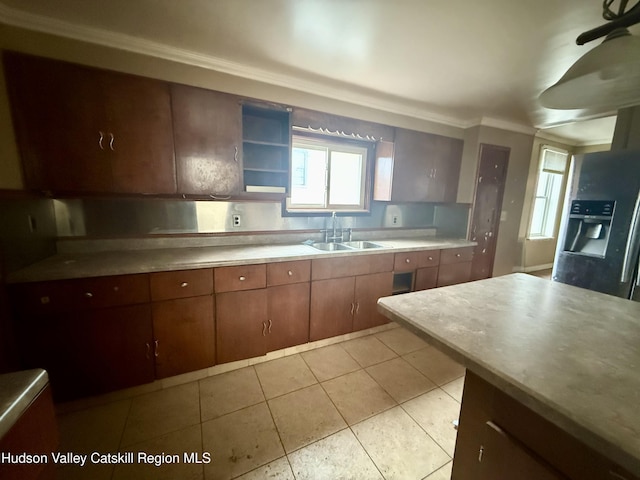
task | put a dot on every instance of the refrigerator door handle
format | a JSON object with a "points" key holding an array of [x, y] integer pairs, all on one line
{"points": [[633, 240]]}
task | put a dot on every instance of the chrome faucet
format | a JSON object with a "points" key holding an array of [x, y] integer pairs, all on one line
{"points": [[336, 233]]}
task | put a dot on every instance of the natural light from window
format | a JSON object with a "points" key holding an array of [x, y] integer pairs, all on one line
{"points": [[546, 204], [327, 175]]}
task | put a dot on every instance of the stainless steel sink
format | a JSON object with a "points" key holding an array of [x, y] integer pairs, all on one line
{"points": [[362, 245], [330, 247], [359, 245]]}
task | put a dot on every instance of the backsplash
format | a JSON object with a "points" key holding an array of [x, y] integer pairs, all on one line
{"points": [[27, 231], [111, 218]]}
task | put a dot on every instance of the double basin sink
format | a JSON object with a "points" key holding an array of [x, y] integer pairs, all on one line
{"points": [[358, 245]]}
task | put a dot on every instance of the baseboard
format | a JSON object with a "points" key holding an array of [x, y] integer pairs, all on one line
{"points": [[534, 268]]}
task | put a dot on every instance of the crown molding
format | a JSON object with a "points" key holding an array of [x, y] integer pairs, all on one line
{"points": [[119, 41], [504, 125]]}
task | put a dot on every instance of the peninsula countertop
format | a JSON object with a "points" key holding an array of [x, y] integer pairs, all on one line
{"points": [[569, 354], [123, 262]]}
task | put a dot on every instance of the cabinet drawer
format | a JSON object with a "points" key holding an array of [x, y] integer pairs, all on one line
{"points": [[181, 284], [244, 277], [456, 255], [406, 261], [429, 258], [85, 293], [350, 265], [282, 273]]}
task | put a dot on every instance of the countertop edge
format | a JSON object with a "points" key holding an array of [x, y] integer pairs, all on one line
{"points": [[69, 266], [19, 389], [546, 409]]}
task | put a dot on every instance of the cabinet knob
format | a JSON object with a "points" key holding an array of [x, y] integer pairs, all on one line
{"points": [[88, 295], [458, 255], [430, 258], [44, 300], [407, 260], [184, 284], [290, 273], [242, 278]]}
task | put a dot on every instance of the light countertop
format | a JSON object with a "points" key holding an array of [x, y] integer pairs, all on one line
{"points": [[104, 263], [17, 391], [569, 354]]}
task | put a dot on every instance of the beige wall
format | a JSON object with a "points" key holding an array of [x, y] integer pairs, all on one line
{"points": [[98, 56]]}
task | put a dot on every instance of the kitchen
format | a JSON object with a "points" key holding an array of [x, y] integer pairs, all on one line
{"points": [[521, 142]]}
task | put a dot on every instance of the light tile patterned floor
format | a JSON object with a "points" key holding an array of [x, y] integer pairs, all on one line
{"points": [[376, 407]]}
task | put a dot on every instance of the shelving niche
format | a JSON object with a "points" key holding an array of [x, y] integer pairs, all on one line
{"points": [[266, 143]]}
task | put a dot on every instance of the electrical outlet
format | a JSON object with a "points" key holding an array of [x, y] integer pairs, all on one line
{"points": [[394, 219], [236, 220]]}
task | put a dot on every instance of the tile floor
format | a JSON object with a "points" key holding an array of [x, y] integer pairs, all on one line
{"points": [[375, 407]]}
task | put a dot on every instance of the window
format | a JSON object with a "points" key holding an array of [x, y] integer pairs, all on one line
{"points": [[546, 204], [327, 175]]}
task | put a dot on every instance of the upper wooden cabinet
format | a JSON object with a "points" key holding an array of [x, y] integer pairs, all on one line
{"points": [[207, 129], [425, 168], [84, 130]]}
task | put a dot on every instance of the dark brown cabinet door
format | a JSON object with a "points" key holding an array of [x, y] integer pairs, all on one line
{"points": [[139, 133], [368, 289], [58, 121], [411, 166], [117, 347], [454, 273], [184, 335], [85, 130], [426, 278], [426, 168], [241, 324], [332, 307], [208, 138], [90, 352], [288, 319], [504, 457], [487, 205]]}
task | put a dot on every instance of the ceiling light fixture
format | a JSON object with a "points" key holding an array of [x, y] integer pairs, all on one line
{"points": [[609, 74]]}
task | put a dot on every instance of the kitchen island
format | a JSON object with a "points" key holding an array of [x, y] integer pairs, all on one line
{"points": [[552, 384]]}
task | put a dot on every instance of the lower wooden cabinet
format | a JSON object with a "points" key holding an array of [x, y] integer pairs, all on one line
{"points": [[500, 438], [251, 323], [241, 324], [184, 335], [426, 278], [453, 274], [288, 316], [332, 307], [369, 288], [344, 305], [92, 351]]}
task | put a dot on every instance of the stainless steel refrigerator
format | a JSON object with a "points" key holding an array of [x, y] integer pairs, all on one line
{"points": [[599, 241]]}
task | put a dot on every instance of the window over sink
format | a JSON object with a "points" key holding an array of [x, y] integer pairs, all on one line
{"points": [[329, 174]]}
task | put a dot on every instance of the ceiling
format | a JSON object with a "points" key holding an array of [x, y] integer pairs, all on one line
{"points": [[460, 62]]}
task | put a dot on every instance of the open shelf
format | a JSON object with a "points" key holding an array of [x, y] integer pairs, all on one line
{"points": [[266, 148]]}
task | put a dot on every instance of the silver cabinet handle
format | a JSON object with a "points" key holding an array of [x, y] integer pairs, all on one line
{"points": [[357, 307], [111, 139], [148, 354], [155, 350], [184, 284], [264, 329], [88, 295], [290, 273], [352, 308], [435, 172], [100, 140], [430, 259], [242, 278], [407, 260], [235, 155], [270, 323]]}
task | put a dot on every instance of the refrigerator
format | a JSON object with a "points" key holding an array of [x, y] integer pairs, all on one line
{"points": [[599, 241]]}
